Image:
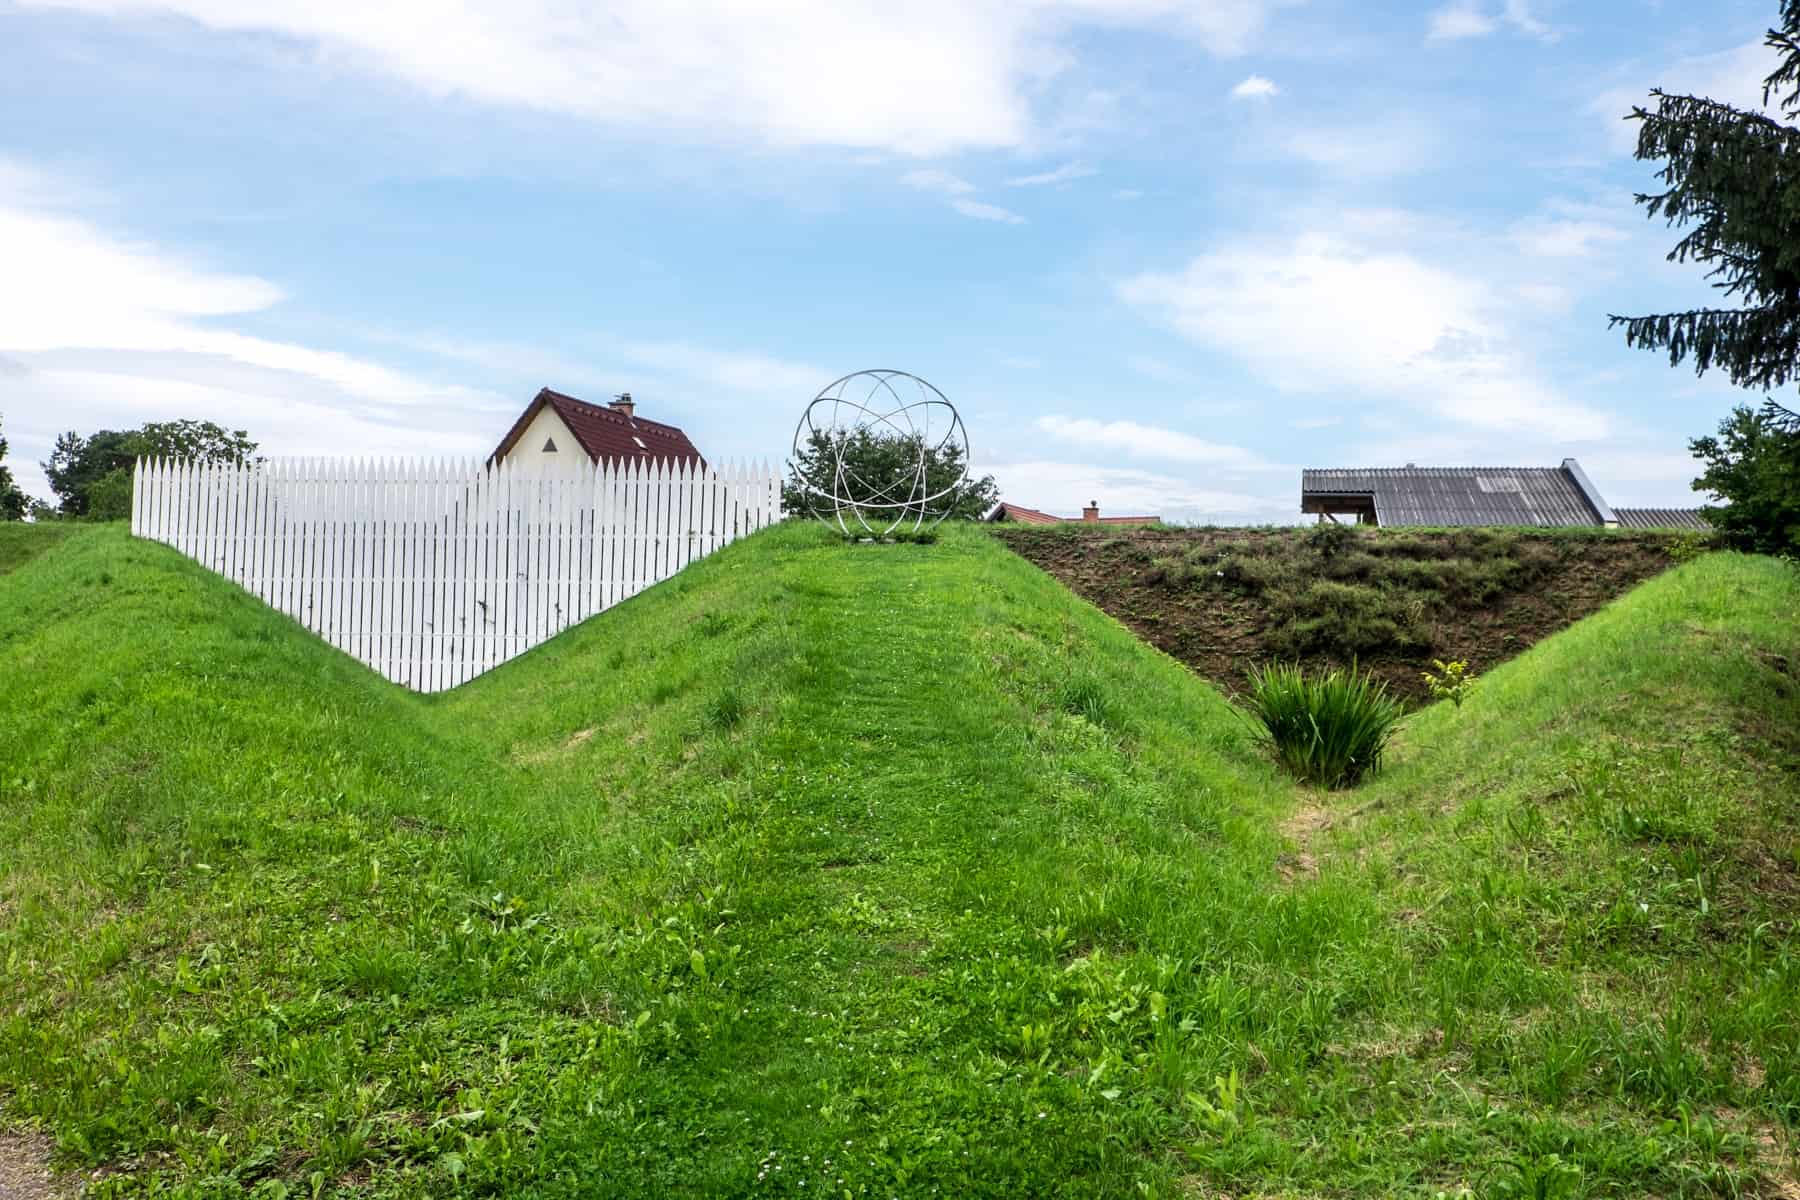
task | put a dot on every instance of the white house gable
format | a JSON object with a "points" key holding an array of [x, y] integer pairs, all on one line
{"points": [[546, 443]]}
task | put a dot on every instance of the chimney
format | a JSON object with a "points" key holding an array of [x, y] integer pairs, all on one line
{"points": [[1092, 511], [622, 404]]}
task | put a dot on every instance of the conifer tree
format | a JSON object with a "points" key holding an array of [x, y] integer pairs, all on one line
{"points": [[1732, 183]]}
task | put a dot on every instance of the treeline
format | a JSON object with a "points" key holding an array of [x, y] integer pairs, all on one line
{"points": [[90, 476]]}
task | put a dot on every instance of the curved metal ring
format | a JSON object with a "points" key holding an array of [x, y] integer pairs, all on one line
{"points": [[907, 495]]}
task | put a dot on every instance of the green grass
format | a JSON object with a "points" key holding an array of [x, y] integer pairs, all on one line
{"points": [[21, 542], [890, 871]]}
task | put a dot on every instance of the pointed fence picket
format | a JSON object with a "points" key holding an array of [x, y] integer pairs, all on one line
{"points": [[433, 572]]}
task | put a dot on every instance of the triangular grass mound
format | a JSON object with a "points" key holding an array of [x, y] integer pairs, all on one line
{"points": [[893, 868]]}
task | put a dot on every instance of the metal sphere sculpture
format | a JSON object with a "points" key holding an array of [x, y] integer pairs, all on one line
{"points": [[913, 485]]}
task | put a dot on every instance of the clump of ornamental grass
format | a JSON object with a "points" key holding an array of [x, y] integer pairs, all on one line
{"points": [[1329, 730]]}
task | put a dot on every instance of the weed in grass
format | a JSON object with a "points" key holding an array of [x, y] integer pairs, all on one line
{"points": [[1451, 681], [1086, 697], [712, 624], [1328, 730], [726, 710]]}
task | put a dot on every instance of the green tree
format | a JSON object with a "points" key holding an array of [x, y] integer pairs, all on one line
{"points": [[91, 475], [1754, 463], [1732, 182], [197, 441], [12, 500], [77, 463], [882, 468]]}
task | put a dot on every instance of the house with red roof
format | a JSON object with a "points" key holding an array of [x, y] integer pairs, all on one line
{"points": [[554, 428], [1019, 514]]}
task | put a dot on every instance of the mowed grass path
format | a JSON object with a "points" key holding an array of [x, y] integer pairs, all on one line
{"points": [[885, 870]]}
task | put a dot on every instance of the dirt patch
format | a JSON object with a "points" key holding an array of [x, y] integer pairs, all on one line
{"points": [[1305, 823], [1778, 1161], [25, 1172], [545, 754], [1301, 827], [1223, 600]]}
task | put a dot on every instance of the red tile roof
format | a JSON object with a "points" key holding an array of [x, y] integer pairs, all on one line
{"points": [[1008, 511], [1024, 516], [606, 433]]}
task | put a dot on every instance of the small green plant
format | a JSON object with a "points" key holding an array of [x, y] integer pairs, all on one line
{"points": [[1327, 730], [1331, 539], [1451, 681], [1084, 696], [1169, 570], [726, 710], [1686, 547]]}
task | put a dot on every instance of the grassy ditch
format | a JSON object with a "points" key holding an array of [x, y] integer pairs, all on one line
{"points": [[885, 871]]}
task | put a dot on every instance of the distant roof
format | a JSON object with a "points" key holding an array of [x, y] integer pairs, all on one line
{"points": [[1662, 518], [1023, 515], [606, 433], [1006, 511], [1548, 496]]}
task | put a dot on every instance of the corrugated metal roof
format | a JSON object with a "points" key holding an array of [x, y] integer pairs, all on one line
{"points": [[1662, 518], [1546, 496]]}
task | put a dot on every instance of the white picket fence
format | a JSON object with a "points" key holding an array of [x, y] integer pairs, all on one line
{"points": [[434, 572]]}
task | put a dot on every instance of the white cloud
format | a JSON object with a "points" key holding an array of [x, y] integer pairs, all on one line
{"points": [[1545, 297], [1387, 147], [959, 190], [1519, 15], [1021, 362], [1644, 478], [1544, 238], [934, 180], [1255, 88], [1147, 441], [919, 78], [1062, 174], [1064, 487], [1163, 372], [1460, 19], [737, 373], [1128, 194], [69, 286], [102, 331], [986, 212], [1322, 311]]}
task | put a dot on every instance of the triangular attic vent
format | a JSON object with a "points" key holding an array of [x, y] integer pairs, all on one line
{"points": [[549, 445]]}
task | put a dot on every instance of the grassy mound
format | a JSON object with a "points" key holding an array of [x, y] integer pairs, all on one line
{"points": [[21, 542], [884, 870], [1391, 600]]}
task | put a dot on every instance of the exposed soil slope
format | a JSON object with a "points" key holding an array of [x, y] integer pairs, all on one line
{"points": [[1222, 600]]}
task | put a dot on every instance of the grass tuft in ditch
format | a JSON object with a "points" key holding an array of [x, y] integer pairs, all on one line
{"points": [[1328, 729]]}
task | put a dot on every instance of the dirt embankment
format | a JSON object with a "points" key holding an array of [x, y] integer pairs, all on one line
{"points": [[1222, 600]]}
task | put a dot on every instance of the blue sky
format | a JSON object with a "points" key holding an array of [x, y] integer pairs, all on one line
{"points": [[1161, 254]]}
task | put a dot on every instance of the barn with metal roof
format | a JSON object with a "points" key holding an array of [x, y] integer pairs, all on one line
{"points": [[1561, 496]]}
